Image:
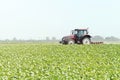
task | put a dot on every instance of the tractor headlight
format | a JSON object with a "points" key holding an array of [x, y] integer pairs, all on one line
{"points": [[63, 39]]}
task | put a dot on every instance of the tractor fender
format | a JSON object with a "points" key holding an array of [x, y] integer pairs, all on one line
{"points": [[86, 36]]}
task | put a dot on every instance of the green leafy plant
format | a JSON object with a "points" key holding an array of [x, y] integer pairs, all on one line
{"points": [[59, 62]]}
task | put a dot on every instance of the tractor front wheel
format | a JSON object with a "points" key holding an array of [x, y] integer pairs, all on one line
{"points": [[71, 42]]}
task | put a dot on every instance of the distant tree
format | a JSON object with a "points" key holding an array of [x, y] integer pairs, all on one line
{"points": [[6, 40], [112, 38], [97, 38], [14, 39], [53, 38], [47, 38]]}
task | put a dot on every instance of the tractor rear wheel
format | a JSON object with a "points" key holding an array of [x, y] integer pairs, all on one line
{"points": [[86, 40]]}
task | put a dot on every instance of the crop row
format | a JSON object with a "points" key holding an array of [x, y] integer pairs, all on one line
{"points": [[59, 62]]}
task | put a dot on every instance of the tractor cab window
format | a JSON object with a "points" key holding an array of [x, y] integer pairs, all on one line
{"points": [[85, 32], [74, 32], [82, 33]]}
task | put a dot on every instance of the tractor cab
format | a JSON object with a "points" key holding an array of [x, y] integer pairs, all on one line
{"points": [[79, 32]]}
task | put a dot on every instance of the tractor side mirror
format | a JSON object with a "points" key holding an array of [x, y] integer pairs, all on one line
{"points": [[87, 32]]}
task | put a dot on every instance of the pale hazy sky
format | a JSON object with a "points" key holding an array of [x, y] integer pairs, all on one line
{"points": [[35, 19]]}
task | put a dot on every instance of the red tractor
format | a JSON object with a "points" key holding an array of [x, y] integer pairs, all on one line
{"points": [[78, 36]]}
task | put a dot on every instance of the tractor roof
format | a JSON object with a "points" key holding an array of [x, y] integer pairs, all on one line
{"points": [[81, 29]]}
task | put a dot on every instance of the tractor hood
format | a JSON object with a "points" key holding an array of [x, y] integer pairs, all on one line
{"points": [[69, 37]]}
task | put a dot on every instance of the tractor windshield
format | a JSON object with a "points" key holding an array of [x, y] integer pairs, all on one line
{"points": [[74, 32]]}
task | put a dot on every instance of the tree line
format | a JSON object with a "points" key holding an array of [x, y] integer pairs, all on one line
{"points": [[54, 39], [100, 38]]}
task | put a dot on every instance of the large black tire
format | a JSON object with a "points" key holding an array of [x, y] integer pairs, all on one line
{"points": [[71, 41], [86, 40]]}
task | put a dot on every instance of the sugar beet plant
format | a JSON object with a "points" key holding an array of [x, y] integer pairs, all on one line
{"points": [[59, 62]]}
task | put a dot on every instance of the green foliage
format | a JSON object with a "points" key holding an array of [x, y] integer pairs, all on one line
{"points": [[59, 62]]}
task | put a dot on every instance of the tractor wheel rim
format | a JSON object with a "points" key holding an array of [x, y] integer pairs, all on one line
{"points": [[86, 41], [71, 42]]}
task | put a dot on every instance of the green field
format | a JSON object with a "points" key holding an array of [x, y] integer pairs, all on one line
{"points": [[59, 62]]}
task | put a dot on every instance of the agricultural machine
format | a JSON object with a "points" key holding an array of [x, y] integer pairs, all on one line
{"points": [[78, 36]]}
